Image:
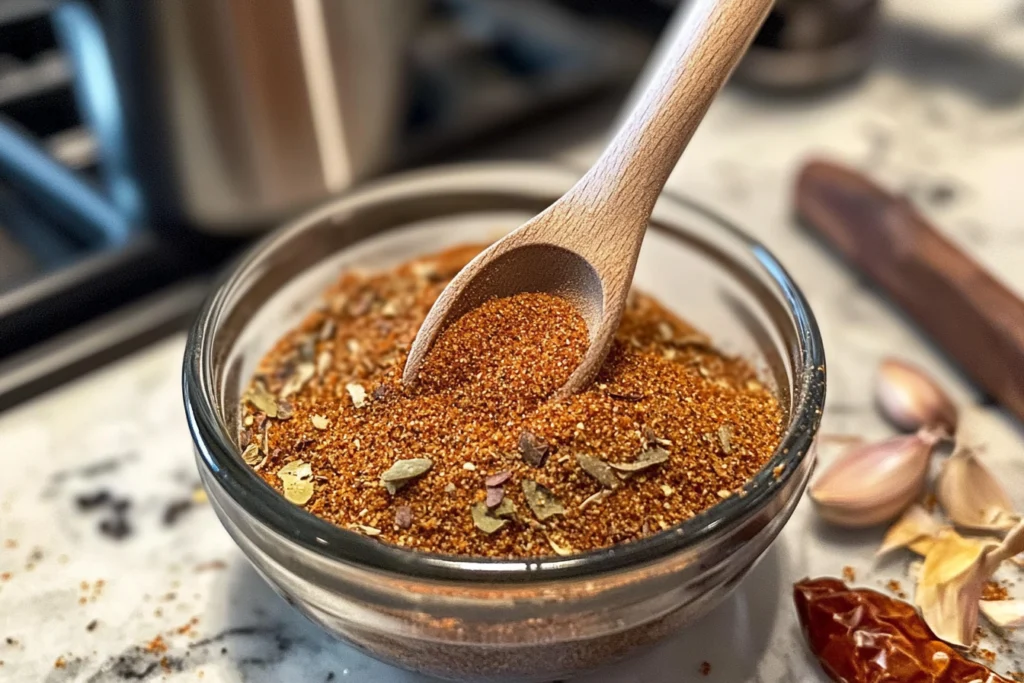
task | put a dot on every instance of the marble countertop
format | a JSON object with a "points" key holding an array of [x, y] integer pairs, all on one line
{"points": [[113, 569]]}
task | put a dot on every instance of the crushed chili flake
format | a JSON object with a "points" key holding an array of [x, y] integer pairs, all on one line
{"points": [[896, 587], [849, 574], [484, 396], [157, 645], [993, 590]]}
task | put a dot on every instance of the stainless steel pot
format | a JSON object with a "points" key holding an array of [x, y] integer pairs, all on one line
{"points": [[228, 115]]}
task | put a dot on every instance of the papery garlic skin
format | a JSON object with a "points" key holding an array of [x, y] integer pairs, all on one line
{"points": [[952, 579], [916, 529], [873, 483], [950, 584], [1004, 613], [971, 496], [910, 399]]}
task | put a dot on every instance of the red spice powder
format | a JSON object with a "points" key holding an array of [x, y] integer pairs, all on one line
{"points": [[482, 409]]}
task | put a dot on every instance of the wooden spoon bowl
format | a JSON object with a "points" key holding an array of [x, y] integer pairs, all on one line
{"points": [[584, 247]]}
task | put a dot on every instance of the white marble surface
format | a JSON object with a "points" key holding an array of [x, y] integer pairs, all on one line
{"points": [[941, 116]]}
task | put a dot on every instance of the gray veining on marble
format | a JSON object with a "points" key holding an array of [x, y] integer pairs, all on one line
{"points": [[951, 136]]}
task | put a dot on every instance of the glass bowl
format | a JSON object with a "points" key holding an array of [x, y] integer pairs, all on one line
{"points": [[499, 620]]}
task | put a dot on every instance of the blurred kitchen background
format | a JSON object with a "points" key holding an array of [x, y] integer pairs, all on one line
{"points": [[144, 143]]}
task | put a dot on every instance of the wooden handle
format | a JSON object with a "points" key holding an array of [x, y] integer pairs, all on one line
{"points": [[969, 314], [633, 169]]}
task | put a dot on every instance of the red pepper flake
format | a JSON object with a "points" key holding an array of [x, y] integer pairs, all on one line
{"points": [[10, 544], [156, 646], [863, 636], [849, 574], [6, 576], [60, 663], [992, 590], [705, 668], [497, 479], [896, 587], [165, 664], [187, 628]]}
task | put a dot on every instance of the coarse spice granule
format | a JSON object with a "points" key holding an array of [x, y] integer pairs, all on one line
{"points": [[477, 458]]}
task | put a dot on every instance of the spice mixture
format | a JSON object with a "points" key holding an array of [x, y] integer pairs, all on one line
{"points": [[477, 458]]}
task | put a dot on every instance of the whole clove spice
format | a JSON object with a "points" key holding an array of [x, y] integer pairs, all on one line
{"points": [[478, 458]]}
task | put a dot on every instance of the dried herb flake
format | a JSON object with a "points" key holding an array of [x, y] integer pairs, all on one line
{"points": [[262, 400], [541, 500], [251, 455], [403, 517], [302, 373], [484, 521], [296, 480], [533, 449], [404, 471], [653, 455], [599, 470], [495, 494]]}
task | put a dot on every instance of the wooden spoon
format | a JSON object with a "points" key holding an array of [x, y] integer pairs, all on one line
{"points": [[584, 247]]}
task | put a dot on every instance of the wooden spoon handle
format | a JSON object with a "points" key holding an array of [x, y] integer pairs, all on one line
{"points": [[633, 169], [970, 314]]}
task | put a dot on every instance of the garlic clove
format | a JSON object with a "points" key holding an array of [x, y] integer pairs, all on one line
{"points": [[1004, 613], [971, 496], [873, 483], [952, 579], [916, 530], [910, 399]]}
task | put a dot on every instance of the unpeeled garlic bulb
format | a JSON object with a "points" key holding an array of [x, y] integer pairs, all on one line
{"points": [[873, 483], [910, 399], [952, 579], [968, 492]]}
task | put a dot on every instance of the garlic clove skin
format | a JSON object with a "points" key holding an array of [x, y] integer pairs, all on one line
{"points": [[1003, 613], [950, 585], [915, 530], [952, 579], [971, 496], [910, 399], [873, 483]]}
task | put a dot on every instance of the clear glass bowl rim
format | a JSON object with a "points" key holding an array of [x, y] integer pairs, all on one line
{"points": [[219, 453]]}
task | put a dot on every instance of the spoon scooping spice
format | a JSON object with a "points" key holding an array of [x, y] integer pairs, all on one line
{"points": [[584, 247]]}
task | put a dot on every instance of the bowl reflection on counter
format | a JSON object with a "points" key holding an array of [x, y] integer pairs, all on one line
{"points": [[484, 619]]}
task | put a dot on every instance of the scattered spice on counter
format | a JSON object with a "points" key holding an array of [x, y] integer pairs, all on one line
{"points": [[157, 645], [896, 588], [993, 590], [212, 565], [863, 636], [477, 458]]}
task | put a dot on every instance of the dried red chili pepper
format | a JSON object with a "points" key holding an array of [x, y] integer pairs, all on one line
{"points": [[863, 636]]}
